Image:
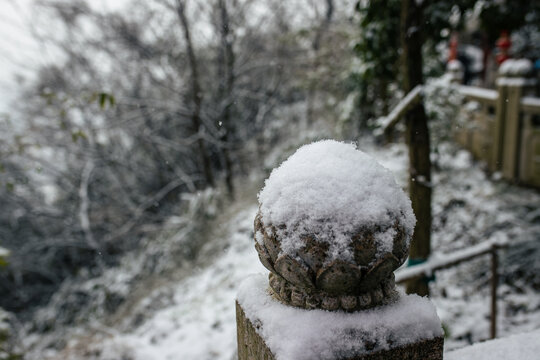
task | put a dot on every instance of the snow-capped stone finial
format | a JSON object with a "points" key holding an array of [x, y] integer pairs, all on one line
{"points": [[332, 227]]}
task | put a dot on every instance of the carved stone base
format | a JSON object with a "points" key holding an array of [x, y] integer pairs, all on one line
{"points": [[290, 294], [251, 345]]}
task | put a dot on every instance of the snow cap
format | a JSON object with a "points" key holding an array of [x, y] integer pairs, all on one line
{"points": [[516, 67], [333, 190]]}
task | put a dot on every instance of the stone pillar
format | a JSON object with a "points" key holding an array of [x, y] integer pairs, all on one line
{"points": [[332, 227]]}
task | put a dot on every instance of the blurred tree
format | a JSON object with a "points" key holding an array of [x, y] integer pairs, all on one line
{"points": [[417, 138], [225, 66], [320, 30], [196, 93], [376, 49], [115, 126]]}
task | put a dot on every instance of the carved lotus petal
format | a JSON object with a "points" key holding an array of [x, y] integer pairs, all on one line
{"points": [[294, 272], [339, 277], [377, 295], [297, 298], [348, 302], [257, 224], [389, 286], [272, 246], [313, 252], [330, 303], [312, 303], [275, 282], [400, 249], [364, 248], [364, 300], [380, 271], [264, 257]]}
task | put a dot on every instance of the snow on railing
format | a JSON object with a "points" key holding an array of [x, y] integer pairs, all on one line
{"points": [[530, 104], [387, 122], [478, 93], [449, 260]]}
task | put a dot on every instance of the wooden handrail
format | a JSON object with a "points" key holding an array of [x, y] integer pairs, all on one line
{"points": [[480, 94], [450, 260], [530, 104], [446, 261], [412, 98]]}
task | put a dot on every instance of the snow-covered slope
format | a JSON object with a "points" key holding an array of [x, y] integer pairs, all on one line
{"points": [[192, 316]]}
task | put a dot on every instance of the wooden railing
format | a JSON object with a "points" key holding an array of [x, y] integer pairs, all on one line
{"points": [[505, 129], [500, 127], [428, 268]]}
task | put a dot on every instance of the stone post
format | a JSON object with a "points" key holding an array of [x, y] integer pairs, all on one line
{"points": [[332, 227]]}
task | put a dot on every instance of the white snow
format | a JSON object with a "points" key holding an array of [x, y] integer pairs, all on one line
{"points": [[399, 109], [442, 261], [332, 189], [454, 65], [515, 81], [198, 321], [478, 93], [4, 252], [516, 67], [299, 334], [530, 101], [193, 318], [524, 346], [259, 237]]}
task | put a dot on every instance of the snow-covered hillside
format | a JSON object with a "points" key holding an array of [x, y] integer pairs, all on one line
{"points": [[192, 316]]}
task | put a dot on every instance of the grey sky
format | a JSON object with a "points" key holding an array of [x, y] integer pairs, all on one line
{"points": [[20, 53]]}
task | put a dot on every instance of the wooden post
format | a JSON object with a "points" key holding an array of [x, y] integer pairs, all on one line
{"points": [[512, 83], [417, 137], [494, 283], [495, 163], [529, 167], [512, 132]]}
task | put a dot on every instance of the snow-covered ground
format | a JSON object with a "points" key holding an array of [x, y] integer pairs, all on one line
{"points": [[194, 317], [519, 346]]}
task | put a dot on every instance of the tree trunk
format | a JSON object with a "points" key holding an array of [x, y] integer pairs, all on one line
{"points": [[196, 90], [417, 137], [226, 84], [315, 46]]}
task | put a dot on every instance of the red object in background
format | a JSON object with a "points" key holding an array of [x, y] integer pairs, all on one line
{"points": [[453, 47], [503, 43]]}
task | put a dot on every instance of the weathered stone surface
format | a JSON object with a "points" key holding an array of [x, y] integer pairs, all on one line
{"points": [[379, 271], [294, 271], [264, 257], [364, 248], [338, 278], [312, 278], [251, 346], [287, 293], [313, 252]]}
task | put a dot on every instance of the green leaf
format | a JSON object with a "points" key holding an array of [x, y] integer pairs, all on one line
{"points": [[78, 135], [10, 186], [102, 99]]}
